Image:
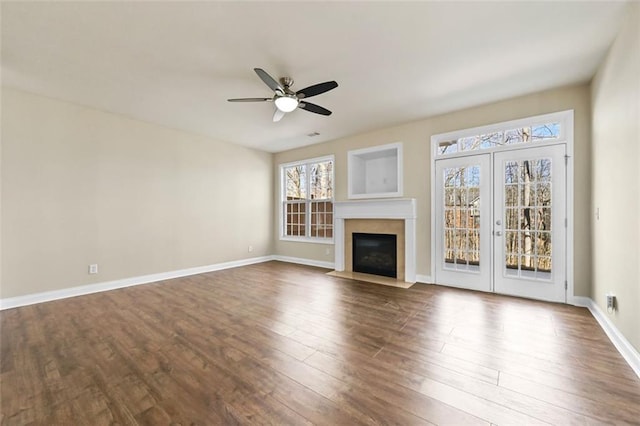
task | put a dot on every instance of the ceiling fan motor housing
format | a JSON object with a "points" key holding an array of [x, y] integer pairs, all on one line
{"points": [[286, 82]]}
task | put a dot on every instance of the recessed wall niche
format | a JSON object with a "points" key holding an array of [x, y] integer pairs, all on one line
{"points": [[375, 172]]}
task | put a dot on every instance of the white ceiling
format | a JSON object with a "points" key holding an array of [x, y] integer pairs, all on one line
{"points": [[176, 63]]}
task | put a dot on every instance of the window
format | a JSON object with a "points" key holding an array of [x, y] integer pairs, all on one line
{"points": [[526, 134], [307, 199]]}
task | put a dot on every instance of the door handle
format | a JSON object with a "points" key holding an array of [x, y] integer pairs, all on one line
{"points": [[498, 233], [498, 222]]}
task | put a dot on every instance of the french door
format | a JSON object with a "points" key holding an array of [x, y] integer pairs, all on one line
{"points": [[463, 210], [501, 222]]}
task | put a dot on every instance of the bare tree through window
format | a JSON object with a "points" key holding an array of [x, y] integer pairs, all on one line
{"points": [[308, 204], [462, 217], [527, 201], [526, 134]]}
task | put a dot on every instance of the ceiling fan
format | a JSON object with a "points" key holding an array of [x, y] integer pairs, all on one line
{"points": [[285, 99]]}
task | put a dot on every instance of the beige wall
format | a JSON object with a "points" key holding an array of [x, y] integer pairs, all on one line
{"points": [[416, 149], [616, 178], [82, 186]]}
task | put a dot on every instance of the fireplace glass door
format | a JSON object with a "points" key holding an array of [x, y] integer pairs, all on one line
{"points": [[375, 254]]}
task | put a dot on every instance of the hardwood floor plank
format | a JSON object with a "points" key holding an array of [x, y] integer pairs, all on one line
{"points": [[384, 387], [301, 399], [412, 374], [599, 407], [479, 407], [582, 381], [392, 350], [343, 394], [277, 343]]}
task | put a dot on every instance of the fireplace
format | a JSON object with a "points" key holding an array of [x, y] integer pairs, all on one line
{"points": [[388, 216], [375, 254]]}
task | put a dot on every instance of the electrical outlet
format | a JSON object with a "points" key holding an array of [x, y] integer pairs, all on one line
{"points": [[93, 268], [611, 302], [250, 249]]}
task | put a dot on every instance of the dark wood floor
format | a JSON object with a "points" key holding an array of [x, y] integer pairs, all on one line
{"points": [[276, 343]]}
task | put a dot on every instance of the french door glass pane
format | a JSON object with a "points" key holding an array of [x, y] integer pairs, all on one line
{"points": [[461, 218], [527, 207]]}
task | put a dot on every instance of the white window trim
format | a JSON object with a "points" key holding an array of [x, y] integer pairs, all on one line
{"points": [[282, 196], [565, 118]]}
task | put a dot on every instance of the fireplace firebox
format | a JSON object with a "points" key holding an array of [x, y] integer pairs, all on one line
{"points": [[375, 254]]}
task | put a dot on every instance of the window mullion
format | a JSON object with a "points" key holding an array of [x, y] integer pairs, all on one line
{"points": [[308, 218], [308, 201]]}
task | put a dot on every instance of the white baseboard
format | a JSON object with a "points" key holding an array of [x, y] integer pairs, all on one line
{"points": [[626, 349], [30, 299], [583, 302], [424, 279], [308, 262]]}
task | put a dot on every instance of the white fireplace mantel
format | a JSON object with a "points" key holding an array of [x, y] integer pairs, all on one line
{"points": [[404, 208]]}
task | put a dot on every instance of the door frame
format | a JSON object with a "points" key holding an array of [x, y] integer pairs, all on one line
{"points": [[566, 120]]}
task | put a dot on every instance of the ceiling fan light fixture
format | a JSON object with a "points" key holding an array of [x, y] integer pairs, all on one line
{"points": [[286, 103]]}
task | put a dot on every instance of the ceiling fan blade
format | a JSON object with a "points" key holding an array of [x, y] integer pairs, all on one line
{"points": [[277, 115], [268, 80], [250, 100], [316, 89], [307, 106]]}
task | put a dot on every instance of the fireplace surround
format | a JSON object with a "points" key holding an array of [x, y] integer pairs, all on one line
{"points": [[390, 216]]}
